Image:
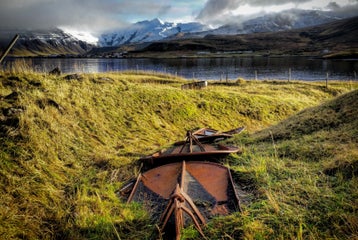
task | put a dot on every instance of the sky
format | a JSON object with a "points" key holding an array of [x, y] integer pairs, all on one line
{"points": [[92, 17]]}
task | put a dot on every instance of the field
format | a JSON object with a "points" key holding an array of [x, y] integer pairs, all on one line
{"points": [[69, 145]]}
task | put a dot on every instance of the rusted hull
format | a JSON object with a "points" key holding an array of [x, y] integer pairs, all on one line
{"points": [[208, 135], [184, 152], [186, 193]]}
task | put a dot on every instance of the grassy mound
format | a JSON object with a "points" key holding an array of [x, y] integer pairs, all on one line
{"points": [[68, 144], [304, 170]]}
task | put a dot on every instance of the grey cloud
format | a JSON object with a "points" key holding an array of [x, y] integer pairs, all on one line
{"points": [[333, 6], [213, 9], [81, 14], [164, 10], [218, 12], [344, 11]]}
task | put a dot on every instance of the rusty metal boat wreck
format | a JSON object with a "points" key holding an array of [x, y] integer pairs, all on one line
{"points": [[186, 193], [193, 148], [179, 191]]}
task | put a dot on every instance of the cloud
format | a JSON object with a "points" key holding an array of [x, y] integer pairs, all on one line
{"points": [[214, 10], [333, 6], [91, 15], [226, 11]]}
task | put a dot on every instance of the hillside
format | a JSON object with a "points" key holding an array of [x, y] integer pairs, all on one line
{"points": [[335, 39], [49, 42], [67, 147]]}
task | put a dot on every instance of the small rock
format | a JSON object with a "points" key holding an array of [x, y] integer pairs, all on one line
{"points": [[73, 77], [12, 96], [13, 111], [103, 80], [56, 71], [14, 78]]}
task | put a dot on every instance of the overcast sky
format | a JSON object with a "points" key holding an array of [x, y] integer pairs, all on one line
{"points": [[95, 16]]}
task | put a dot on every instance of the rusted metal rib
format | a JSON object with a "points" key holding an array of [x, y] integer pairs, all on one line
{"points": [[177, 205]]}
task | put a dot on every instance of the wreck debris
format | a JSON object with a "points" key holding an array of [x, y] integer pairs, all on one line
{"points": [[190, 149], [183, 185], [190, 193]]}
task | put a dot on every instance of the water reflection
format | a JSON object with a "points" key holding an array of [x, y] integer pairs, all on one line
{"points": [[210, 68]]}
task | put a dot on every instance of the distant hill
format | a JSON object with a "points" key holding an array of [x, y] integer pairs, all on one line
{"points": [[43, 43], [334, 39], [281, 21], [156, 30], [158, 36]]}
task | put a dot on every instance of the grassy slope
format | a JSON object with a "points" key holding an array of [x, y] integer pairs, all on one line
{"points": [[68, 146], [304, 172]]}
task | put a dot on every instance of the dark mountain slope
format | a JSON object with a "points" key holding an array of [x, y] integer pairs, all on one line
{"points": [[43, 43], [336, 38]]}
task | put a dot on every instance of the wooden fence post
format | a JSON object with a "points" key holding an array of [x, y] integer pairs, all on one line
{"points": [[7, 50]]}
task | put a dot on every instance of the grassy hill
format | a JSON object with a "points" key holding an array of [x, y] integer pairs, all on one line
{"points": [[68, 146]]}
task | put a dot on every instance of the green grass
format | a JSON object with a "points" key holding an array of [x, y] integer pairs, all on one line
{"points": [[67, 147]]}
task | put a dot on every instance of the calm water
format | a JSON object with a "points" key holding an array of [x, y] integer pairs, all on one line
{"points": [[211, 68]]}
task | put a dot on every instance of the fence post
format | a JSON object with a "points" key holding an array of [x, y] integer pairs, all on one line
{"points": [[327, 75], [256, 75], [7, 50], [289, 74]]}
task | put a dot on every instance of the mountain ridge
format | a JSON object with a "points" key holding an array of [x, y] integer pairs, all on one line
{"points": [[43, 42], [155, 34], [157, 30], [147, 31], [334, 39]]}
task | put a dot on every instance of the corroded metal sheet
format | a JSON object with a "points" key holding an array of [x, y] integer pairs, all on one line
{"points": [[186, 192]]}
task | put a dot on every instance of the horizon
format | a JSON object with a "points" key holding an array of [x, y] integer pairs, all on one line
{"points": [[87, 21]]}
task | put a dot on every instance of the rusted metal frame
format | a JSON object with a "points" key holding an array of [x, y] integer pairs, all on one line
{"points": [[184, 144], [187, 197], [196, 140], [178, 214], [190, 136], [177, 205], [193, 206], [189, 139], [235, 192], [196, 224], [183, 169], [12, 43], [134, 188], [167, 213]]}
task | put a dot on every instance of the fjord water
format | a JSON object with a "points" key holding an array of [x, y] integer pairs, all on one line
{"points": [[261, 68]]}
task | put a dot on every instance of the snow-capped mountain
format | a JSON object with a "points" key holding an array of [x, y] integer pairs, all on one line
{"points": [[148, 31], [154, 30], [274, 22], [44, 42]]}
